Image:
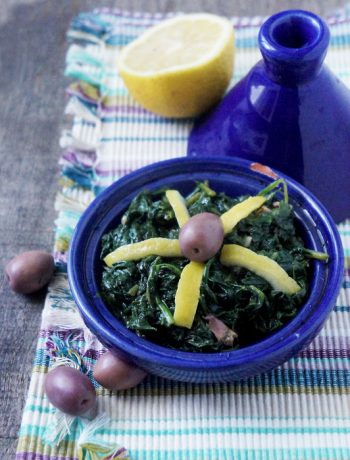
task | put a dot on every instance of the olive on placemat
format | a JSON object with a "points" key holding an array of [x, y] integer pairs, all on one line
{"points": [[201, 237], [29, 271], [115, 374], [70, 390]]}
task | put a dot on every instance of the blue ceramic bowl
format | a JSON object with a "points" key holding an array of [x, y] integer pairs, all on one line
{"points": [[234, 177]]}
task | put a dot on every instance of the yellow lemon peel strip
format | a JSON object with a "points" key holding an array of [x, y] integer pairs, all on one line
{"points": [[153, 246], [187, 294], [178, 203], [270, 270], [241, 210]]}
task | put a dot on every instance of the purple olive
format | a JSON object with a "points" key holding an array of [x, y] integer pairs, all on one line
{"points": [[201, 237], [30, 271], [70, 390], [115, 374]]}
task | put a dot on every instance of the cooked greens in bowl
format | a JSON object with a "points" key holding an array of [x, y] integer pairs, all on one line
{"points": [[234, 177], [251, 286]]}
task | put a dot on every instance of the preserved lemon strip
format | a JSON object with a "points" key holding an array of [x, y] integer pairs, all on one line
{"points": [[187, 294], [233, 254], [152, 247], [241, 210], [178, 203]]}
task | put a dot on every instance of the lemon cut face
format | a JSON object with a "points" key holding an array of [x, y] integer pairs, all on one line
{"points": [[180, 67]]}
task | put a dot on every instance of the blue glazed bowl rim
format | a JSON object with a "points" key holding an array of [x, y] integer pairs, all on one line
{"points": [[111, 331]]}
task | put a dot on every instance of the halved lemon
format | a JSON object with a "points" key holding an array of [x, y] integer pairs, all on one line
{"points": [[180, 67]]}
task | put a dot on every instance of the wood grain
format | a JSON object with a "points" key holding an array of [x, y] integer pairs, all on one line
{"points": [[32, 51]]}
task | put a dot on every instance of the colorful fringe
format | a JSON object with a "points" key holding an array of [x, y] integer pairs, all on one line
{"points": [[299, 411]]}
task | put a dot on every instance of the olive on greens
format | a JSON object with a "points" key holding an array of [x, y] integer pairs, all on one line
{"points": [[201, 237]]}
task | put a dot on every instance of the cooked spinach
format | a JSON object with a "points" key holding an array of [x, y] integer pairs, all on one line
{"points": [[141, 294]]}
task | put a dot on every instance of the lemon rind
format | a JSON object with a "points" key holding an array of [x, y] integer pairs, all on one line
{"points": [[263, 266]]}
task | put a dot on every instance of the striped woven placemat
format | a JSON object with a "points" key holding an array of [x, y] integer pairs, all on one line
{"points": [[301, 410]]}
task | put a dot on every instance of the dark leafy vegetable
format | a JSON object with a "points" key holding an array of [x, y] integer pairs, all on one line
{"points": [[141, 294]]}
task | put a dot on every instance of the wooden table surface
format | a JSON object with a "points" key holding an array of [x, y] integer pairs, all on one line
{"points": [[32, 86]]}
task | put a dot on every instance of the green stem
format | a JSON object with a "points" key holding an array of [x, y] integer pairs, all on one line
{"points": [[203, 303], [256, 291], [165, 310], [169, 267], [206, 189], [133, 290], [315, 254], [196, 195], [153, 297], [206, 278], [271, 188], [192, 198]]}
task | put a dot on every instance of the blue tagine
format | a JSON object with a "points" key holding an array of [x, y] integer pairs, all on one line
{"points": [[290, 112]]}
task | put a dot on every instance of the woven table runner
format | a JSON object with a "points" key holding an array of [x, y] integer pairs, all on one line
{"points": [[301, 410]]}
